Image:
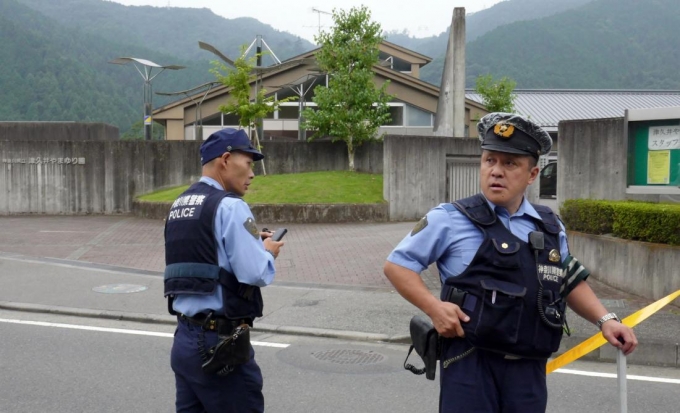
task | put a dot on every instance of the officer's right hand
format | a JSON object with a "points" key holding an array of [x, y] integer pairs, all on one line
{"points": [[446, 318], [273, 246]]}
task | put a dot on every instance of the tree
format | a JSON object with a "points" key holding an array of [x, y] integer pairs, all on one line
{"points": [[351, 108], [496, 95], [238, 80], [136, 132]]}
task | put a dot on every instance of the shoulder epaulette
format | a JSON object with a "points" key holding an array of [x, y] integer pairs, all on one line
{"points": [[476, 209], [549, 219]]}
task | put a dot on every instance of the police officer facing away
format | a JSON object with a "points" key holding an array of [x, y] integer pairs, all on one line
{"points": [[216, 262], [506, 278]]}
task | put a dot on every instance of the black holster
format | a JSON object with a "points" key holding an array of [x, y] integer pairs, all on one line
{"points": [[425, 340], [231, 350]]}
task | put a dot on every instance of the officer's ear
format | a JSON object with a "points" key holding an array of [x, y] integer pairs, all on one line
{"points": [[225, 157]]}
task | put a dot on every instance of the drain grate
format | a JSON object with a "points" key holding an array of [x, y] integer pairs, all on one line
{"points": [[359, 357]]}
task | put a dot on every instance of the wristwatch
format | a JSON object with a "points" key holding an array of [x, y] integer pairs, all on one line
{"points": [[607, 317]]}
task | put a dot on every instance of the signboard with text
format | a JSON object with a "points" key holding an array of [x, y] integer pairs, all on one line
{"points": [[654, 151]]}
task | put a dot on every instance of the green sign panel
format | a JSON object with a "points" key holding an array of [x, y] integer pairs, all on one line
{"points": [[654, 153]]}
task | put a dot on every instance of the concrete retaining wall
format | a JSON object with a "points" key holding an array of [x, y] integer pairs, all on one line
{"points": [[296, 157], [415, 172], [57, 131], [76, 168], [287, 213], [89, 177], [593, 161], [641, 268]]}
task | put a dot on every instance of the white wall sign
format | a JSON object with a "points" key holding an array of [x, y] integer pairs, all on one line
{"points": [[664, 137], [40, 160]]}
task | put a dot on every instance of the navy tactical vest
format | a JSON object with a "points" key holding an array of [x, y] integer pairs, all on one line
{"points": [[500, 288], [191, 261]]}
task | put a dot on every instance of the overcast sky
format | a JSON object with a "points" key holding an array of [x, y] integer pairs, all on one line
{"points": [[422, 18]]}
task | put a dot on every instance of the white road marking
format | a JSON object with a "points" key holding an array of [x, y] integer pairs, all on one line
{"points": [[120, 331], [613, 376], [64, 231]]}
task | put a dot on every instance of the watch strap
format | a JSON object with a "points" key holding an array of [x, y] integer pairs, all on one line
{"points": [[605, 318]]}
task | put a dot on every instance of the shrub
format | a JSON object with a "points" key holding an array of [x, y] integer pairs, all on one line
{"points": [[640, 221], [587, 215]]}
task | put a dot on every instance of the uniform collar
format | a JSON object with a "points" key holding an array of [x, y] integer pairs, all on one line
{"points": [[524, 208], [208, 180]]}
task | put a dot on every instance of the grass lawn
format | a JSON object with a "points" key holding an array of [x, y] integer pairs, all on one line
{"points": [[331, 187]]}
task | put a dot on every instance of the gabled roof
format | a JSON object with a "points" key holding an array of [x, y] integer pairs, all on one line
{"points": [[303, 59], [415, 83], [416, 57], [221, 89], [547, 107], [385, 47]]}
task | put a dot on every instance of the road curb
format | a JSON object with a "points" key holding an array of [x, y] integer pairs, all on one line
{"points": [[171, 320], [651, 353]]}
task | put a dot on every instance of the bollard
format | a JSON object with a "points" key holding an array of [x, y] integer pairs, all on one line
{"points": [[621, 374]]}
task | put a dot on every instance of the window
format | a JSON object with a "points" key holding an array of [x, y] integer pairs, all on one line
{"points": [[288, 112], [397, 116], [418, 117], [215, 120]]}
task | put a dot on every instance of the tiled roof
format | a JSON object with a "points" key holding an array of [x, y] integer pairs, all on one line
{"points": [[549, 106]]}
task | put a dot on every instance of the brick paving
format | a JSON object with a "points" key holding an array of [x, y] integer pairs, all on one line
{"points": [[315, 254], [351, 254]]}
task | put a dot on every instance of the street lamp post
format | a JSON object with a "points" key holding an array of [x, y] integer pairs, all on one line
{"points": [[148, 67]]}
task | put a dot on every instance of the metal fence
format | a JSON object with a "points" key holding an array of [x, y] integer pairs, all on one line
{"points": [[462, 177]]}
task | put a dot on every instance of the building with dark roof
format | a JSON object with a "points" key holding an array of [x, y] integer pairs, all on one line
{"points": [[548, 107], [412, 108]]}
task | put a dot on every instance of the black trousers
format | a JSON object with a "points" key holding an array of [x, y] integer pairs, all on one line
{"points": [[487, 382], [238, 392]]}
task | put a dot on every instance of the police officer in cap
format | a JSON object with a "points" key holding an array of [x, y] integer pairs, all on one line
{"points": [[216, 262], [506, 275]]}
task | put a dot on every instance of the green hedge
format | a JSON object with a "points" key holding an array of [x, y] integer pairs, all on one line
{"points": [[640, 221]]}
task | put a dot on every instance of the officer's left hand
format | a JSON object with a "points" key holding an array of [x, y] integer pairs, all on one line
{"points": [[266, 234], [612, 330]]}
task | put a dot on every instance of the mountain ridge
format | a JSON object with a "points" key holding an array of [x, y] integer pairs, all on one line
{"points": [[56, 54]]}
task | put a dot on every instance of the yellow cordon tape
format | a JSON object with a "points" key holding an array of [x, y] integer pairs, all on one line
{"points": [[598, 339]]}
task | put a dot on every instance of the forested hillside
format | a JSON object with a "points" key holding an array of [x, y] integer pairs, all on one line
{"points": [[54, 54], [171, 30], [605, 44], [478, 24], [56, 68], [51, 73]]}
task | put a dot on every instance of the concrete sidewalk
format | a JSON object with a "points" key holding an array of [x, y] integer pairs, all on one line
{"points": [[329, 281]]}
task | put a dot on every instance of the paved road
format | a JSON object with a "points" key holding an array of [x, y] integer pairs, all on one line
{"points": [[329, 279], [52, 368]]}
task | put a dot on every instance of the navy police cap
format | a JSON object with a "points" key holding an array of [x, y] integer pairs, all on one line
{"points": [[511, 133], [227, 140]]}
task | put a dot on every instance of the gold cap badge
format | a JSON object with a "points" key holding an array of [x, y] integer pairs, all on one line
{"points": [[504, 130], [554, 256]]}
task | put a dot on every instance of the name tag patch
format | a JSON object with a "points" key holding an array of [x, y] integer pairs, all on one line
{"points": [[187, 207], [550, 273]]}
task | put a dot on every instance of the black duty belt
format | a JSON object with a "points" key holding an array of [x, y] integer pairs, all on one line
{"points": [[219, 324], [461, 298]]}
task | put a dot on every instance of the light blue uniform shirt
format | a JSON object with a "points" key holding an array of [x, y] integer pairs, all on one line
{"points": [[451, 240], [238, 252]]}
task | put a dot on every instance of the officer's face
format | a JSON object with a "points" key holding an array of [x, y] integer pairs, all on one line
{"points": [[504, 178], [237, 172]]}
